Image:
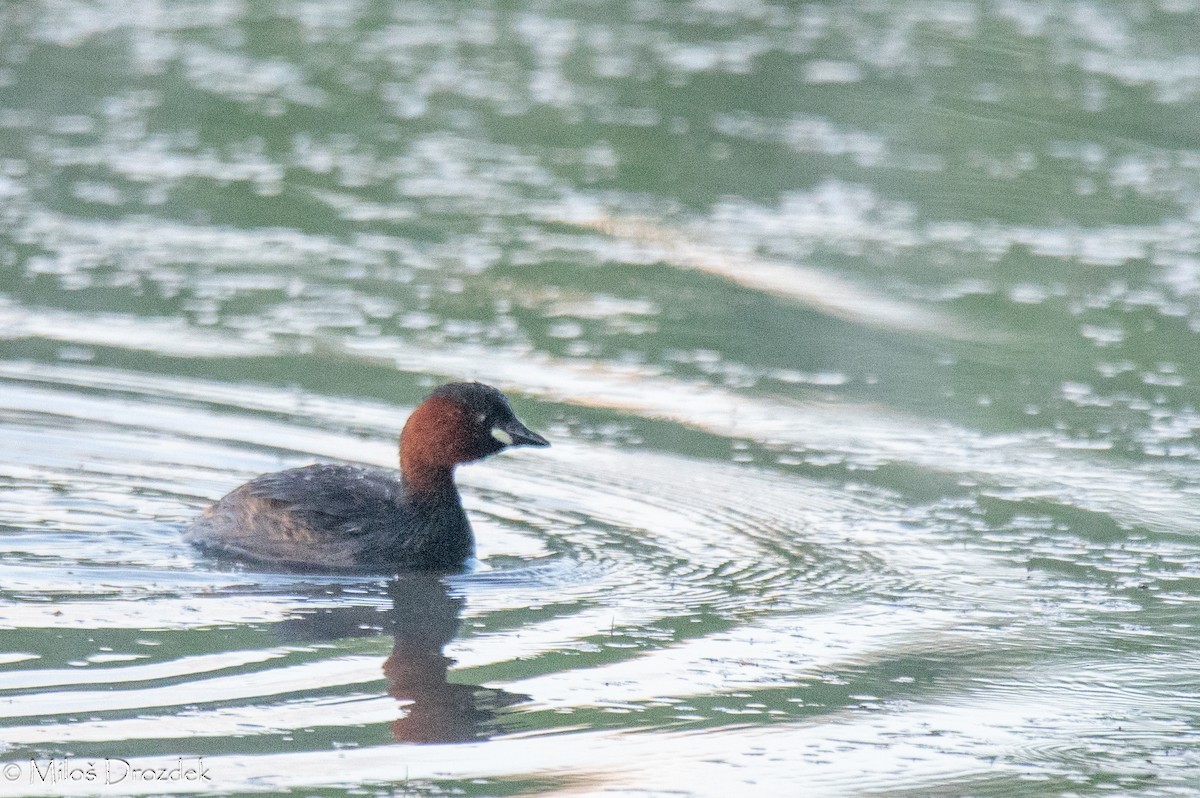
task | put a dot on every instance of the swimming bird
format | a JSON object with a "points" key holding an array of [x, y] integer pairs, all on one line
{"points": [[346, 517]]}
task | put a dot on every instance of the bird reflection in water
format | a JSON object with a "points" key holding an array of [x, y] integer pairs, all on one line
{"points": [[423, 617]]}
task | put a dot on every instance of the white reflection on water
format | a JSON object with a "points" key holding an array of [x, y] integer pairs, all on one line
{"points": [[821, 290], [816, 587], [1032, 464], [968, 745]]}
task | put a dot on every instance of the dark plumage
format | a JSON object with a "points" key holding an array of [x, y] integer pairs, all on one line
{"points": [[327, 517]]}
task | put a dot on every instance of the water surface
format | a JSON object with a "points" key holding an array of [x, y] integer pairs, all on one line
{"points": [[865, 337]]}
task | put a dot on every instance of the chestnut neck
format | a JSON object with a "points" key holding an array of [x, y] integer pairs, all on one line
{"points": [[431, 446]]}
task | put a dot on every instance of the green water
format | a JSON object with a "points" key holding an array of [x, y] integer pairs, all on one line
{"points": [[864, 334]]}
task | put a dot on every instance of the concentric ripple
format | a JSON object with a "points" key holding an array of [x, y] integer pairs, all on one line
{"points": [[616, 589]]}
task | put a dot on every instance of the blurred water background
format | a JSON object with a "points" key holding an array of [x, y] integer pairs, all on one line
{"points": [[865, 334]]}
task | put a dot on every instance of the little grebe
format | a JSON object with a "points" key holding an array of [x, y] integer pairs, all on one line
{"points": [[349, 517]]}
